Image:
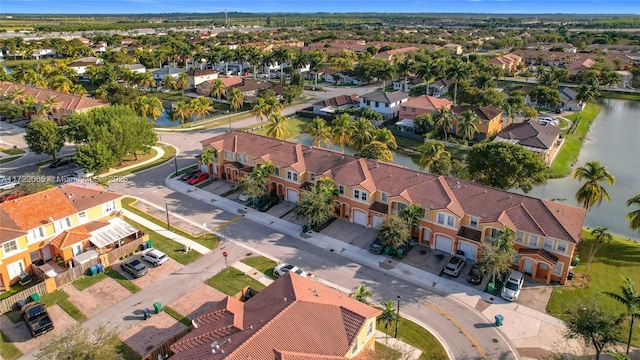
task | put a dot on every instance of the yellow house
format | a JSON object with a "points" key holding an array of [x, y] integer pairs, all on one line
{"points": [[57, 224], [490, 120]]}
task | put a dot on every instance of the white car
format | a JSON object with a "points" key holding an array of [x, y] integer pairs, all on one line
{"points": [[455, 265], [154, 256], [512, 286], [283, 268], [244, 197], [6, 183], [548, 120]]}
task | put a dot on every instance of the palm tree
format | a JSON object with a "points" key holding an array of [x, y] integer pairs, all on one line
{"points": [[154, 107], [634, 217], [404, 69], [443, 119], [467, 125], [282, 56], [78, 89], [169, 82], [361, 134], [50, 103], [218, 89], [601, 235], [62, 84], [342, 130], [548, 79], [388, 317], [236, 98], [430, 153], [316, 206], [277, 127], [412, 214], [208, 156], [484, 81], [182, 81], [384, 72], [260, 109], [586, 93], [630, 298], [362, 294], [141, 106], [592, 191], [319, 131], [386, 137], [274, 106], [205, 106], [146, 80], [456, 71], [182, 111]]}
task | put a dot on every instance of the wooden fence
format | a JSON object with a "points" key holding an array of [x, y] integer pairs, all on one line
{"points": [[126, 249], [165, 349], [9, 303], [77, 272]]}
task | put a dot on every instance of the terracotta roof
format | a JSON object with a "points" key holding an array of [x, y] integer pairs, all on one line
{"points": [[339, 100], [65, 101], [426, 102], [544, 254], [70, 237], [228, 81], [485, 113], [581, 65], [326, 323], [530, 134]]}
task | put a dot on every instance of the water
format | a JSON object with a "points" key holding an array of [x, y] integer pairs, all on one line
{"points": [[7, 69], [164, 121]]}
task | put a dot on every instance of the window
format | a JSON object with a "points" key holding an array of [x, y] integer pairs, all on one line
{"points": [[292, 176], [562, 246], [109, 207], [473, 222], [82, 216], [77, 249], [377, 104], [360, 195], [496, 233], [341, 189], [413, 110], [64, 223], [370, 329], [383, 197], [402, 206], [516, 259], [386, 105], [519, 237], [243, 158], [446, 219], [38, 233], [354, 349], [228, 155], [533, 241], [9, 246], [363, 196], [548, 244], [14, 269], [404, 108], [557, 270], [368, 102], [277, 171]]}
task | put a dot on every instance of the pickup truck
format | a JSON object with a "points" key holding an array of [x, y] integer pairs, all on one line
{"points": [[35, 315]]}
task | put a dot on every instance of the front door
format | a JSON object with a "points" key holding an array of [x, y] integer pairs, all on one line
{"points": [[527, 266]]}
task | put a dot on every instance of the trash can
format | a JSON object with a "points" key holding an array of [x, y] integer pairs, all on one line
{"points": [[499, 319], [158, 307], [490, 287], [35, 297], [570, 275], [93, 270], [399, 253], [146, 313], [100, 268], [20, 304], [143, 246], [149, 244]]}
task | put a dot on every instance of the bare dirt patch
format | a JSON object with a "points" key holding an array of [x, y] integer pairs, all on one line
{"points": [[197, 301], [581, 281], [98, 297], [150, 334]]}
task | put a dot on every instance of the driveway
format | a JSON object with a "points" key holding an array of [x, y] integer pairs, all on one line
{"points": [[197, 301], [153, 275], [98, 297], [147, 335]]}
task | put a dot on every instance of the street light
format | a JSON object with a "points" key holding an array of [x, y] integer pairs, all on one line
{"points": [[166, 207], [175, 163], [398, 318]]}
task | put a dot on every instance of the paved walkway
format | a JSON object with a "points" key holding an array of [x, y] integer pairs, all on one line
{"points": [[159, 154], [255, 274], [408, 352]]}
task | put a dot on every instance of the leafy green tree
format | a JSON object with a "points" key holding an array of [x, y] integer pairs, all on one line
{"points": [[277, 127], [117, 94], [529, 113], [545, 96], [362, 294], [44, 137], [389, 316], [412, 215], [95, 157], [79, 343], [376, 150], [592, 324], [317, 206], [497, 256], [424, 123], [319, 132], [257, 181], [430, 153], [290, 92], [592, 192], [394, 231], [634, 217], [630, 298], [505, 166]]}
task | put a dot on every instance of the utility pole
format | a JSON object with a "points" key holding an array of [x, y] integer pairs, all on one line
{"points": [[226, 20]]}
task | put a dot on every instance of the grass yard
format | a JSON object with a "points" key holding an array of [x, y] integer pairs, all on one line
{"points": [[123, 281], [8, 351], [569, 152], [620, 258], [262, 264], [169, 153], [61, 298], [295, 126], [173, 249], [13, 152], [418, 337], [174, 314], [231, 281], [87, 281], [13, 289], [207, 240]]}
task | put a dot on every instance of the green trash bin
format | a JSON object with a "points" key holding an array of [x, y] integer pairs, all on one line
{"points": [[35, 297], [490, 287], [149, 244], [158, 307], [399, 253], [386, 250]]}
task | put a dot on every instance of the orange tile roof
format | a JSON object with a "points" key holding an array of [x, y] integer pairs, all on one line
{"points": [[429, 103], [70, 237], [68, 102]]}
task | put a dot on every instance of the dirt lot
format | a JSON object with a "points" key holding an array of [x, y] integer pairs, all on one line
{"points": [[197, 301], [98, 297], [154, 274], [21, 338], [147, 335]]}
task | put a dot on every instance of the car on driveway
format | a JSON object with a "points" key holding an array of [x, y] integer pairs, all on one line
{"points": [[284, 268], [376, 246], [244, 197], [155, 256], [455, 265], [186, 176], [135, 268], [61, 162], [198, 178], [512, 286], [475, 275]]}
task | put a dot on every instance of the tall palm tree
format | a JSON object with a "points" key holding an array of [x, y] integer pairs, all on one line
{"points": [[277, 127], [182, 81], [427, 70], [169, 82], [586, 93], [386, 137], [362, 294], [319, 132], [484, 81], [457, 71], [141, 106], [384, 72], [146, 80], [182, 111], [342, 130], [155, 108], [405, 68], [388, 317], [28, 105], [592, 191], [236, 98], [412, 214], [206, 106], [62, 84], [50, 103], [78, 89], [260, 109], [361, 134], [630, 298], [218, 89], [274, 106], [282, 56], [430, 152], [634, 217], [208, 156], [444, 118], [601, 236], [467, 125]]}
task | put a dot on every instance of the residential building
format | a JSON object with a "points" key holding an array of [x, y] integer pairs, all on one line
{"points": [[566, 47], [165, 71], [440, 87], [328, 106], [411, 81], [197, 76], [490, 120], [250, 88], [65, 104], [77, 219], [396, 54], [458, 215], [293, 318], [569, 100], [454, 49], [80, 65], [579, 66], [205, 87], [416, 106], [543, 139], [509, 62], [135, 68], [346, 77], [386, 103]]}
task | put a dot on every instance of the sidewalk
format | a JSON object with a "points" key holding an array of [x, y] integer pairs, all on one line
{"points": [[160, 153], [523, 326], [408, 351]]}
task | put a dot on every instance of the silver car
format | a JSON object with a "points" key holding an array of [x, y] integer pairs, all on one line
{"points": [[512, 286]]}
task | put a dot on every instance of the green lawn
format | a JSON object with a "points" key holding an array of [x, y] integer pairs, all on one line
{"points": [[295, 126], [169, 153], [8, 351], [208, 240], [87, 281], [569, 152], [120, 279], [61, 298], [231, 281], [12, 151], [621, 258], [174, 314], [262, 264], [13, 289], [174, 249], [418, 337]]}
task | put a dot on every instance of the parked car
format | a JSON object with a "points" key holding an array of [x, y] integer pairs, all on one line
{"points": [[244, 197], [135, 268], [37, 319], [61, 162], [284, 268], [475, 275], [6, 183], [12, 196], [512, 286], [186, 176], [376, 246], [268, 204], [455, 265], [154, 256], [198, 178]]}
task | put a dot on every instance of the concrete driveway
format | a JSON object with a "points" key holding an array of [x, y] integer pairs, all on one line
{"points": [[97, 297], [197, 301], [153, 275], [147, 335]]}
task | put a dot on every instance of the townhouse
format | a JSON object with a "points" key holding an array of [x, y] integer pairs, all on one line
{"points": [[458, 215], [56, 226], [508, 62]]}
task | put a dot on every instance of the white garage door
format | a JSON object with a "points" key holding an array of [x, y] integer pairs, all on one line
{"points": [[292, 195], [470, 250], [360, 217], [444, 244], [376, 220]]}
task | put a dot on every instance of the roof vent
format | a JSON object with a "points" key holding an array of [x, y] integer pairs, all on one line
{"points": [[285, 299], [485, 191], [315, 292]]}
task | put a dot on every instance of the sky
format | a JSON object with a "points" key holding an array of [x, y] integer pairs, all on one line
{"points": [[306, 6]]}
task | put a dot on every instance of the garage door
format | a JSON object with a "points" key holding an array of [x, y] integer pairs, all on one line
{"points": [[292, 195], [470, 250], [444, 244], [360, 217], [376, 220]]}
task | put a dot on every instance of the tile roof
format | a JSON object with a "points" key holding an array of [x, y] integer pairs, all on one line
{"points": [[530, 134], [519, 212], [385, 97], [35, 210], [485, 113], [228, 81], [198, 72], [326, 323], [426, 102], [69, 102], [544, 254], [70, 237], [339, 100]]}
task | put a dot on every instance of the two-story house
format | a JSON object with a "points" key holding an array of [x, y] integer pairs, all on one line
{"points": [[197, 76], [439, 87], [411, 82], [385, 103], [423, 104], [62, 222], [458, 215], [508, 62], [490, 120], [542, 139]]}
